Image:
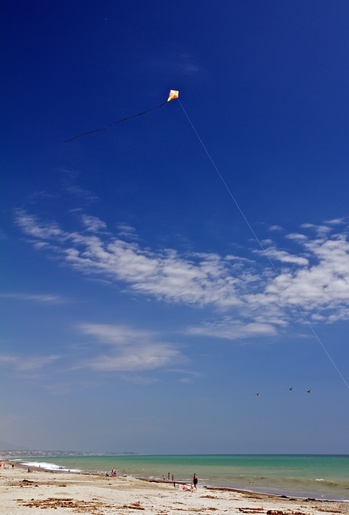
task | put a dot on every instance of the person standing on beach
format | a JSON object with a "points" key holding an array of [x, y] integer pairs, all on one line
{"points": [[195, 481]]}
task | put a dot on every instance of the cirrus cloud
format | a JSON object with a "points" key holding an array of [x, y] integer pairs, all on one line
{"points": [[313, 277], [128, 349]]}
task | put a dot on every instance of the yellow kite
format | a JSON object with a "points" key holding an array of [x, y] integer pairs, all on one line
{"points": [[173, 95]]}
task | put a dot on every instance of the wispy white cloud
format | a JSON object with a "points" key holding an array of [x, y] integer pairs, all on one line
{"points": [[128, 349], [35, 228], [233, 330], [196, 279], [323, 286], [70, 185], [320, 230], [114, 334], [27, 363], [111, 348], [34, 297], [313, 277], [296, 237], [284, 257], [93, 224], [126, 231], [181, 64], [187, 65], [337, 221]]}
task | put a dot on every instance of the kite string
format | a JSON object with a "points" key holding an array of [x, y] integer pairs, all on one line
{"points": [[226, 186], [264, 250], [105, 127]]}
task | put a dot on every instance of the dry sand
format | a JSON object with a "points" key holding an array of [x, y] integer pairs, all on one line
{"points": [[64, 493]]}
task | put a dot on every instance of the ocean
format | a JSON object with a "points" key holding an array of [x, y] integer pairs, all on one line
{"points": [[309, 476]]}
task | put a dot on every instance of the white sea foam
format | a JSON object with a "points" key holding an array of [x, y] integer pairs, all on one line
{"points": [[49, 466]]}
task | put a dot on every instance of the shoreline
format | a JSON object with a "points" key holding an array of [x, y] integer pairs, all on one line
{"points": [[102, 495], [249, 492], [240, 489]]}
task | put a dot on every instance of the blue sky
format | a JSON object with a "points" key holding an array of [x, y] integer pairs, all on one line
{"points": [[145, 301]]}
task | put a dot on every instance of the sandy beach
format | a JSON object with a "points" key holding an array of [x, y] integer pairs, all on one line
{"points": [[23, 492]]}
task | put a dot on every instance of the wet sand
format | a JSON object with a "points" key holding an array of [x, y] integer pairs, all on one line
{"points": [[24, 493]]}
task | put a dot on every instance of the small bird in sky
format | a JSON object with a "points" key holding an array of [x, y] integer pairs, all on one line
{"points": [[258, 394], [291, 388], [308, 391]]}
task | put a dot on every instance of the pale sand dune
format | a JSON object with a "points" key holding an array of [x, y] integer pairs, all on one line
{"points": [[62, 493]]}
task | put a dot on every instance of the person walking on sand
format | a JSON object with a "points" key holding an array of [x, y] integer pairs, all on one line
{"points": [[195, 481]]}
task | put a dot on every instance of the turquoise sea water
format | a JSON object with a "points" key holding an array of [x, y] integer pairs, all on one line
{"points": [[318, 476]]}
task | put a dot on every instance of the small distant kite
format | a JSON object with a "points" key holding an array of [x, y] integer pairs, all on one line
{"points": [[173, 94]]}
